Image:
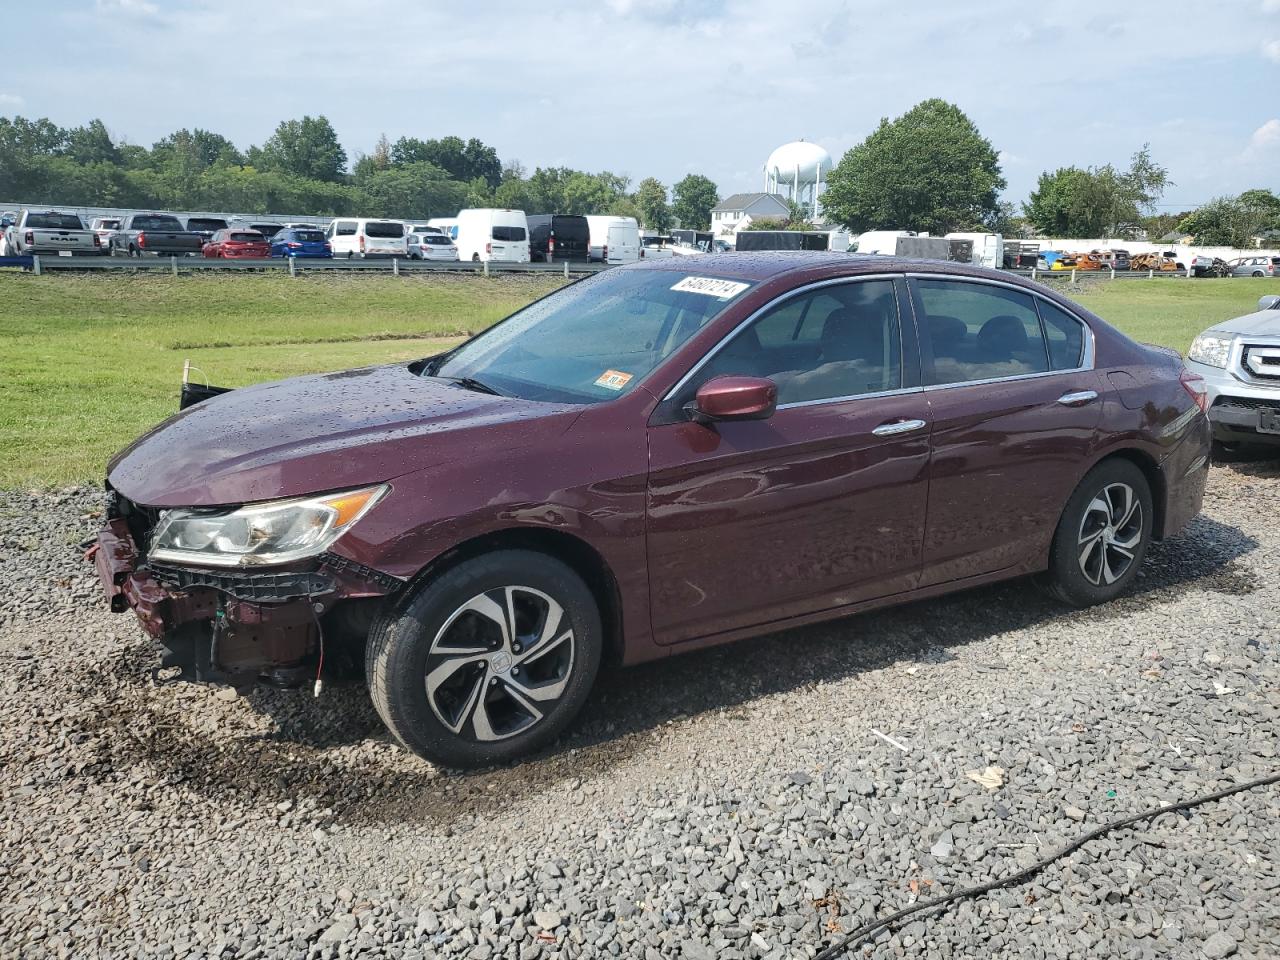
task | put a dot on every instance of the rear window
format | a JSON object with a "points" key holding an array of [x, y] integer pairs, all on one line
{"points": [[375, 229], [436, 240], [247, 237], [196, 223], [109, 225], [156, 222], [308, 236], [515, 234], [54, 221]]}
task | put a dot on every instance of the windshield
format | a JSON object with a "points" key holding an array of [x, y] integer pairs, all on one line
{"points": [[594, 340], [54, 221]]}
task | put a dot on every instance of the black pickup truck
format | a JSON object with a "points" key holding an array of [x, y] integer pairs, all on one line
{"points": [[159, 234]]}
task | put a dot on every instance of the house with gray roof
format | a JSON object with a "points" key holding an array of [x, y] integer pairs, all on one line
{"points": [[731, 211]]}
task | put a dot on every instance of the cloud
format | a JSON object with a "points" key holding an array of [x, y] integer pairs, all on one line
{"points": [[1271, 50], [1265, 135], [137, 8], [11, 100], [1271, 6]]}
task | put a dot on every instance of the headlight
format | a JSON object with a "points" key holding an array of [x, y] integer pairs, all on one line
{"points": [[258, 534], [1210, 349]]}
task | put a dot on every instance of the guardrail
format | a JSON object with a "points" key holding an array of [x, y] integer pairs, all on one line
{"points": [[295, 265], [394, 265]]}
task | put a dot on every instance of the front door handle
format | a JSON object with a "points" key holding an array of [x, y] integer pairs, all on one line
{"points": [[1078, 398], [895, 427]]}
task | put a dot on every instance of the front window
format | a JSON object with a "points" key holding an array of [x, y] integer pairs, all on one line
{"points": [[837, 341], [592, 341]]}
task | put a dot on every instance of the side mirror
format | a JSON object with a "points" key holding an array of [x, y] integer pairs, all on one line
{"points": [[1270, 302], [734, 398]]}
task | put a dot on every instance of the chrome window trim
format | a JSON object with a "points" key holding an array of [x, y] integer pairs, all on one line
{"points": [[855, 396], [1087, 363], [780, 299]]}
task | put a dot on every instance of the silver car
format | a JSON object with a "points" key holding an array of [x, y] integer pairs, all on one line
{"points": [[1255, 267], [1240, 362]]}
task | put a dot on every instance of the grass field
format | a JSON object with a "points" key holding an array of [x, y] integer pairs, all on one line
{"points": [[89, 362]]}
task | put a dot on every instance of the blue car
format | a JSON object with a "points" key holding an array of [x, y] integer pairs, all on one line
{"points": [[300, 242]]}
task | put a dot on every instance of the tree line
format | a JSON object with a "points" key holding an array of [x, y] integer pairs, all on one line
{"points": [[303, 169], [932, 170]]}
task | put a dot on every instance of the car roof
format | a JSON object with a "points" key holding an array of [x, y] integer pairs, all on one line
{"points": [[770, 264]]}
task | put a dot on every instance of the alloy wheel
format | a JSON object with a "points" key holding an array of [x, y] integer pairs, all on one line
{"points": [[500, 663], [1110, 533]]}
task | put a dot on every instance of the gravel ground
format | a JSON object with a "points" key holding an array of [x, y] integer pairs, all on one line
{"points": [[736, 803]]}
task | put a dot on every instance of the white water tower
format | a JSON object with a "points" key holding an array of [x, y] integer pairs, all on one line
{"points": [[798, 170]]}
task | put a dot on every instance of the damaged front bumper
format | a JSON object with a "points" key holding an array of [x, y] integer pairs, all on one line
{"points": [[238, 627]]}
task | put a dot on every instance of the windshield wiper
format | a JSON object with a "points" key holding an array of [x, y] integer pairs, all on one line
{"points": [[471, 383]]}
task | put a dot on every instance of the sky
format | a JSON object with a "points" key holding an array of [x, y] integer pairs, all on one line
{"points": [[668, 87]]}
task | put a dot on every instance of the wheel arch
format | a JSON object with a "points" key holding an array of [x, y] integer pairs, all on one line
{"points": [[1155, 481], [571, 550]]}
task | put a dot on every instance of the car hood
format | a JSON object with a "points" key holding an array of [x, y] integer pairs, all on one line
{"points": [[1264, 323], [318, 433]]}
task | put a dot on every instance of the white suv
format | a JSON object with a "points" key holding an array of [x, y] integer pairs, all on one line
{"points": [[1240, 362]]}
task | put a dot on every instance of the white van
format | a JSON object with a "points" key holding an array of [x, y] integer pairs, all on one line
{"points": [[446, 225], [363, 237], [614, 239], [486, 233]]}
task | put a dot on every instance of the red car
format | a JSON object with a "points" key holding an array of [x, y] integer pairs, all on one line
{"points": [[658, 458], [247, 244]]}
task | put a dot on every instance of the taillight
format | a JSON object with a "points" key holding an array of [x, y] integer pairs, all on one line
{"points": [[551, 245], [142, 240], [361, 239], [293, 246], [31, 239], [1193, 383], [488, 248], [327, 246], [97, 240], [604, 252]]}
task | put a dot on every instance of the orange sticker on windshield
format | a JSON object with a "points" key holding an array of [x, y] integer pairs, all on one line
{"points": [[613, 379]]}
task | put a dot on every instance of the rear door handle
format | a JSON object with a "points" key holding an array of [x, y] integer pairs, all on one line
{"points": [[1078, 398], [895, 427]]}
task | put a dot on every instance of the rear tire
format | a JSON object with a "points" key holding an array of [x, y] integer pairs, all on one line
{"points": [[1258, 273], [457, 685], [1102, 537]]}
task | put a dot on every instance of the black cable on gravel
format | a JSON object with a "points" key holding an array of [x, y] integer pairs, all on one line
{"points": [[850, 940]]}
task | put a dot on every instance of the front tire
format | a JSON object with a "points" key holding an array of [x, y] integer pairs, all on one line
{"points": [[488, 661], [1103, 535]]}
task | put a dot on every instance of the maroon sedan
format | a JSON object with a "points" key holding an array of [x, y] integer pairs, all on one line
{"points": [[658, 458], [241, 243]]}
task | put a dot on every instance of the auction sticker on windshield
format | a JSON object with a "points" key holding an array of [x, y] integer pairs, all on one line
{"points": [[711, 287], [613, 379]]}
